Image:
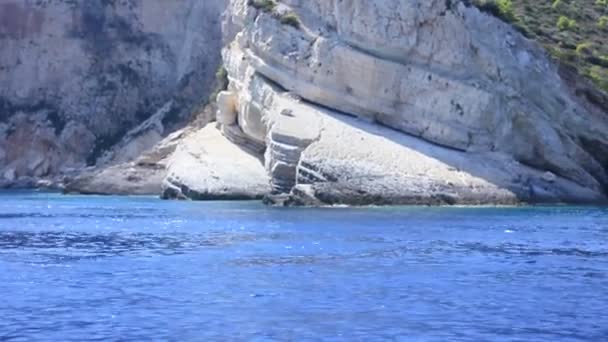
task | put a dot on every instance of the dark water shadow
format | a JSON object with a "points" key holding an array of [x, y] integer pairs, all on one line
{"points": [[68, 246], [434, 249]]}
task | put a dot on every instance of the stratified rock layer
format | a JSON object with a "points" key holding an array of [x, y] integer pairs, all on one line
{"points": [[388, 101], [329, 102]]}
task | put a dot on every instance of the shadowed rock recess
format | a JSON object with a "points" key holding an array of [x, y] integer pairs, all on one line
{"points": [[89, 82], [351, 102]]}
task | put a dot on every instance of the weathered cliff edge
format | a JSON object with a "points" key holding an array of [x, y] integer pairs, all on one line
{"points": [[96, 82], [393, 102]]}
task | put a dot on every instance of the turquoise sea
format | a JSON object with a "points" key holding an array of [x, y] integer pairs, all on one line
{"points": [[76, 268]]}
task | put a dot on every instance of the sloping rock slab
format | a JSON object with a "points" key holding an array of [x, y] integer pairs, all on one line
{"points": [[143, 176], [382, 166], [123, 179], [207, 166]]}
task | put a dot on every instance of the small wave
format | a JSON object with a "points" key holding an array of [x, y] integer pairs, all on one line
{"points": [[107, 215], [520, 249], [24, 215], [437, 248], [286, 260], [70, 246]]}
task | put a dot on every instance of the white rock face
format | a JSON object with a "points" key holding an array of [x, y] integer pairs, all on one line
{"points": [[422, 101], [76, 76], [208, 166], [226, 102], [359, 102]]}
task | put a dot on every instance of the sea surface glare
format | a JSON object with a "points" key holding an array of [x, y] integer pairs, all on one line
{"points": [[76, 268]]}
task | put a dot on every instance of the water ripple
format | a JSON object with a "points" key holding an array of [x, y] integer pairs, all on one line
{"points": [[435, 248], [66, 246], [131, 269], [108, 215]]}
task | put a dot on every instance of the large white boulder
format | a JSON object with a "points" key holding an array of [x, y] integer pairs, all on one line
{"points": [[206, 165]]}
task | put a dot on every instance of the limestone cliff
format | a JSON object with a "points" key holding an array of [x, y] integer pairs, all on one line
{"points": [[328, 102], [389, 101], [77, 76]]}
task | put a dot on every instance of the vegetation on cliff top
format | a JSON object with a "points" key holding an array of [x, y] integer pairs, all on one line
{"points": [[268, 6], [573, 31], [264, 5]]}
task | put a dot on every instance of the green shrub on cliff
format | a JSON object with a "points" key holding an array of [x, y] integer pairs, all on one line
{"points": [[264, 5], [290, 18], [557, 4], [573, 31], [599, 76], [269, 6], [584, 49], [499, 8], [564, 23], [504, 10], [221, 82]]}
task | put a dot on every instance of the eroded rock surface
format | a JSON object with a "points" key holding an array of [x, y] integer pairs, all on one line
{"points": [[143, 175], [329, 102], [76, 76], [390, 101]]}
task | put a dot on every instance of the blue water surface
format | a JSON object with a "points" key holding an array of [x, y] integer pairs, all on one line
{"points": [[76, 268]]}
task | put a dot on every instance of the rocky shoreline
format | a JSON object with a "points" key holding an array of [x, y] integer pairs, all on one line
{"points": [[344, 103]]}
